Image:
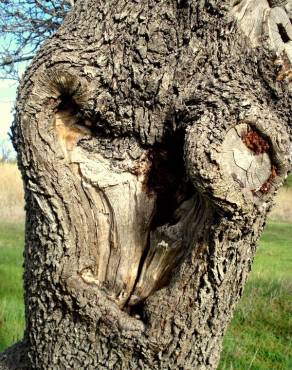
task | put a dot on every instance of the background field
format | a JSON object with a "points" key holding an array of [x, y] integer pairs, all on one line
{"points": [[11, 194], [260, 335]]}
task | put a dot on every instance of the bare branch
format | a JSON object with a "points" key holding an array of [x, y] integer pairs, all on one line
{"points": [[24, 25], [8, 61]]}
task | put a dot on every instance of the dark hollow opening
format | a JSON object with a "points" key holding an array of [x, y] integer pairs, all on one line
{"points": [[167, 178], [67, 103], [283, 33], [274, 3]]}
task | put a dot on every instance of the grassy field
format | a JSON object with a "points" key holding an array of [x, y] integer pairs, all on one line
{"points": [[11, 301], [288, 182], [260, 335]]}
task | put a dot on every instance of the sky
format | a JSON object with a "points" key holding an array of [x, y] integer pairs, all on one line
{"points": [[7, 99]]}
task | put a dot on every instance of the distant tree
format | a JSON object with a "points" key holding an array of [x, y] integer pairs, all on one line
{"points": [[6, 151], [24, 25]]}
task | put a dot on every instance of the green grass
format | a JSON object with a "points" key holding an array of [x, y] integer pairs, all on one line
{"points": [[11, 292], [260, 335], [288, 182]]}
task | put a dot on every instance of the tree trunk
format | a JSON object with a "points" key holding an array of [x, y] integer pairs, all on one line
{"points": [[152, 137]]}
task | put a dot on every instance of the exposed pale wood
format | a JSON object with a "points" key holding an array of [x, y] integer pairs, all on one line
{"points": [[249, 169], [250, 16], [238, 177], [127, 261], [68, 131], [268, 23], [279, 28], [121, 210], [168, 244]]}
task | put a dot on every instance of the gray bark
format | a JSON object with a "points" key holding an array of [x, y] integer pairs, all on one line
{"points": [[152, 137]]}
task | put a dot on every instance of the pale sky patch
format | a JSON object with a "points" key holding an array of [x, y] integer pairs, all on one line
{"points": [[7, 99], [7, 90], [6, 117]]}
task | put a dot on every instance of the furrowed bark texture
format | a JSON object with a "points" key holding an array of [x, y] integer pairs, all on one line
{"points": [[152, 137]]}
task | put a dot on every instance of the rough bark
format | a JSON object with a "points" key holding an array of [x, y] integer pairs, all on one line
{"points": [[152, 137]]}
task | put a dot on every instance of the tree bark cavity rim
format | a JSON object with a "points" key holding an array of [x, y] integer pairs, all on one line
{"points": [[67, 98], [156, 178], [219, 180]]}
